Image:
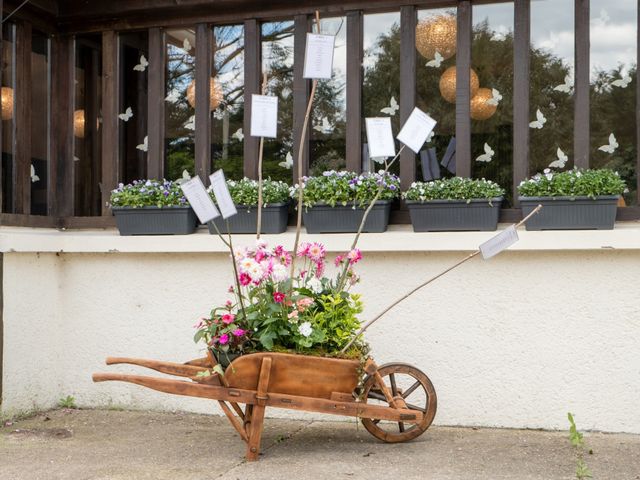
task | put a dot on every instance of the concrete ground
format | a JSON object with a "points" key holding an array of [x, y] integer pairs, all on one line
{"points": [[119, 445]]}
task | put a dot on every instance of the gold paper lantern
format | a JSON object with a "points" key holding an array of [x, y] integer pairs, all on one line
{"points": [[480, 109], [437, 33], [215, 95], [7, 103], [78, 123], [448, 84]]}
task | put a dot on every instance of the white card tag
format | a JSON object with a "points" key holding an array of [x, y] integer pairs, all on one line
{"points": [[200, 200], [223, 197], [380, 137], [264, 116], [500, 242], [318, 56], [416, 129]]}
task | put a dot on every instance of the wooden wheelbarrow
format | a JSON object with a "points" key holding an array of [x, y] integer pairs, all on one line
{"points": [[396, 402]]}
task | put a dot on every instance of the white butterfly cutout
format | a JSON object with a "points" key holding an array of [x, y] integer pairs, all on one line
{"points": [[142, 66], [561, 161], [34, 177], [185, 177], [613, 144], [76, 159], [392, 108], [378, 159], [622, 82], [126, 116], [430, 136], [495, 99], [436, 62], [540, 120], [191, 123], [173, 96], [238, 135], [324, 127], [144, 146], [186, 45], [288, 162], [566, 86], [487, 156], [285, 93]]}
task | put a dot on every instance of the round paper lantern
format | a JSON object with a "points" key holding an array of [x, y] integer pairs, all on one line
{"points": [[480, 109], [448, 84], [78, 123], [215, 94], [7, 103], [437, 33]]}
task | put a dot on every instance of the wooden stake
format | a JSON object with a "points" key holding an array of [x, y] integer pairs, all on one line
{"points": [[260, 151]]}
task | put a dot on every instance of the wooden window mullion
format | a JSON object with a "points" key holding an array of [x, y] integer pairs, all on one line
{"points": [[252, 68], [354, 91], [408, 20], [521, 70], [463, 97], [155, 103], [204, 39], [300, 95], [22, 119], [638, 106], [110, 102], [581, 121]]}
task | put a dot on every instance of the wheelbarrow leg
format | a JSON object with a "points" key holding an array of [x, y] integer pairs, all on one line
{"points": [[256, 421]]}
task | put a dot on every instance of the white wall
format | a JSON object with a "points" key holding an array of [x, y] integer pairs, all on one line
{"points": [[517, 341]]}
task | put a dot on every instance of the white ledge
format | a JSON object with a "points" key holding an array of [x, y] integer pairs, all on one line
{"points": [[399, 238]]}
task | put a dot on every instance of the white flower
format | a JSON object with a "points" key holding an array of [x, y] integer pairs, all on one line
{"points": [[256, 272], [279, 273], [305, 329], [315, 285]]}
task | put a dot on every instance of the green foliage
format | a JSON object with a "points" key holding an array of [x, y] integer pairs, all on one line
{"points": [[346, 188], [577, 440], [573, 183], [148, 193], [455, 188], [245, 192], [67, 402], [335, 314]]}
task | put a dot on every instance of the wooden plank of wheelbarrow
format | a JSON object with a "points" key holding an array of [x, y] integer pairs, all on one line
{"points": [[169, 368]]}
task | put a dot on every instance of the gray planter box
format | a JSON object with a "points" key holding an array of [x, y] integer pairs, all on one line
{"points": [[322, 218], [571, 213], [454, 215], [274, 219], [155, 221]]}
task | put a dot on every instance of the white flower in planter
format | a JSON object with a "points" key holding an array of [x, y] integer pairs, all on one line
{"points": [[305, 329]]}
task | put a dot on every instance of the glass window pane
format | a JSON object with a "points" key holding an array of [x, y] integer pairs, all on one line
{"points": [[180, 106], [39, 122], [492, 105], [381, 87], [613, 89], [8, 109], [328, 144], [228, 70], [551, 85], [277, 63]]}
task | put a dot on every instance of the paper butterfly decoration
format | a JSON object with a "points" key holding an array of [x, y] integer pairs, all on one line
{"points": [[378, 159], [498, 36], [613, 144], [566, 86], [392, 108], [622, 82], [285, 93], [430, 136], [173, 97], [324, 127], [76, 159], [487, 156], [495, 99], [191, 123], [142, 66], [436, 62], [185, 177], [144, 146], [540, 120], [288, 162], [34, 177], [186, 45], [561, 161], [126, 116], [238, 135]]}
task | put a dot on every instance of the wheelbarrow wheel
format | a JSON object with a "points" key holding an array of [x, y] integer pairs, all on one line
{"points": [[417, 391]]}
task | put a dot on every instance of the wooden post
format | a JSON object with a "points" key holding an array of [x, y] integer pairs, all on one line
{"points": [[257, 415], [463, 97], [521, 47], [252, 67], [354, 92], [110, 102], [300, 94], [581, 134], [155, 103], [408, 19], [204, 39], [22, 120]]}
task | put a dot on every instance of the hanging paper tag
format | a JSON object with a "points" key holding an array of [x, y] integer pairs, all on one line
{"points": [[380, 137], [223, 197], [318, 56], [416, 129], [200, 200], [500, 242], [264, 116]]}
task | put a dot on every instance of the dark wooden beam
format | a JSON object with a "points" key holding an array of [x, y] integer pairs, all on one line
{"points": [[155, 103], [41, 14], [22, 119], [1, 136], [581, 137], [204, 52], [252, 68], [354, 91], [62, 86], [521, 62], [300, 95], [463, 97], [638, 109], [110, 103], [408, 19]]}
